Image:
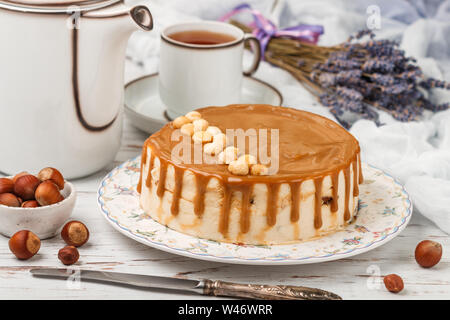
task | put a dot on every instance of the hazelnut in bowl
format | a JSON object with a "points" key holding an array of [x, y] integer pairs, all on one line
{"points": [[41, 203]]}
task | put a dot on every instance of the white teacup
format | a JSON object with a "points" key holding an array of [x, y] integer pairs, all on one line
{"points": [[197, 75]]}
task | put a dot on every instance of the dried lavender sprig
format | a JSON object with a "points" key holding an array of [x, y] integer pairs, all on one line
{"points": [[378, 65], [325, 67], [361, 34], [344, 64], [378, 48], [348, 93], [339, 55], [330, 101], [433, 107], [397, 88], [383, 79], [441, 107], [410, 75], [327, 79], [349, 77], [434, 83]]}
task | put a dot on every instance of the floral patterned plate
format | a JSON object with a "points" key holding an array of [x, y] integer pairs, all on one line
{"points": [[384, 211]]}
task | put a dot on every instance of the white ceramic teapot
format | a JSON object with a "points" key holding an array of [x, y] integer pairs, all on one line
{"points": [[61, 82]]}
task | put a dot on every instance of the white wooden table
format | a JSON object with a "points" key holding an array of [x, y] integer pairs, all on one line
{"points": [[359, 277]]}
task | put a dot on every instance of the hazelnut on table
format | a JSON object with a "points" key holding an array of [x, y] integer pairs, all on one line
{"points": [[393, 282], [428, 253], [24, 244], [68, 255], [75, 233]]}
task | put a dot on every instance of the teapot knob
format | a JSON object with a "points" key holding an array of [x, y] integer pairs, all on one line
{"points": [[142, 16]]}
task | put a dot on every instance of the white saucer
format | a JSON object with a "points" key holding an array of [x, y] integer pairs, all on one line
{"points": [[146, 111]]}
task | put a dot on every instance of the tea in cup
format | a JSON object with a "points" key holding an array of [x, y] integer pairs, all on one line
{"points": [[201, 65]]}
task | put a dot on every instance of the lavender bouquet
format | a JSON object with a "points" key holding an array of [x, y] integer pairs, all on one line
{"points": [[357, 77]]}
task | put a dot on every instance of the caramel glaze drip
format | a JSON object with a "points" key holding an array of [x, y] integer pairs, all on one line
{"points": [[361, 177], [162, 179], [355, 178], [177, 191], [199, 201], [272, 200], [148, 181], [315, 147], [347, 193], [318, 202], [246, 201], [335, 185], [225, 212], [295, 200], [228, 191], [143, 162]]}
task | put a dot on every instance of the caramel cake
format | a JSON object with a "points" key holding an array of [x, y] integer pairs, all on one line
{"points": [[313, 192]]}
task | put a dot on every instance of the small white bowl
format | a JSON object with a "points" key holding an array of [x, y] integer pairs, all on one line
{"points": [[42, 221]]}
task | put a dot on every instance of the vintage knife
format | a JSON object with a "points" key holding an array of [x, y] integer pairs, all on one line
{"points": [[203, 287]]}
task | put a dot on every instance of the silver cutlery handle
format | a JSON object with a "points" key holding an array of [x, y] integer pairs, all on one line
{"points": [[269, 292]]}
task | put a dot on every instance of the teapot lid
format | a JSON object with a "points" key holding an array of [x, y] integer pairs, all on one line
{"points": [[55, 6]]}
